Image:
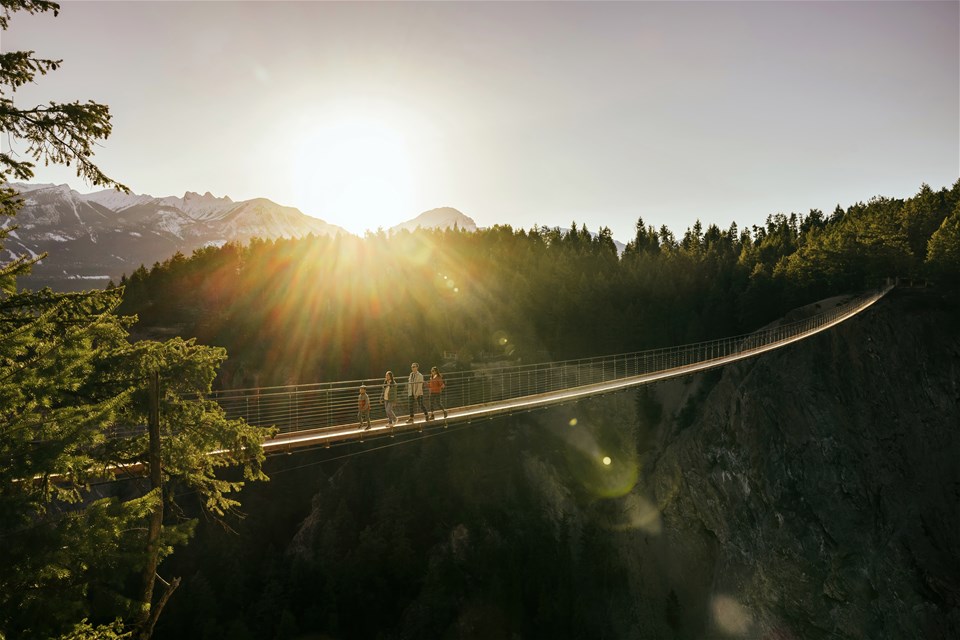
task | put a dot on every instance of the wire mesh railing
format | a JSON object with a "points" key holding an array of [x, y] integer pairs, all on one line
{"points": [[330, 405]]}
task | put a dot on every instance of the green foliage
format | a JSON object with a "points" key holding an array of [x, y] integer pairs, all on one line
{"points": [[86, 631], [62, 133], [73, 402], [868, 242], [191, 425], [54, 420], [647, 241], [923, 214], [71, 387], [943, 250]]}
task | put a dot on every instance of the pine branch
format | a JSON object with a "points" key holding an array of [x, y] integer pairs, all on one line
{"points": [[18, 68], [30, 6]]}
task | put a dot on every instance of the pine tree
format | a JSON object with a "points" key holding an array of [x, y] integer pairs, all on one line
{"points": [[75, 395], [943, 249]]}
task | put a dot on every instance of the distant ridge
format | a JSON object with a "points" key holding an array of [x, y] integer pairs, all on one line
{"points": [[96, 237], [440, 218]]}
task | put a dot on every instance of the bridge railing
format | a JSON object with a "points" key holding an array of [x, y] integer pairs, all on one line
{"points": [[334, 404]]}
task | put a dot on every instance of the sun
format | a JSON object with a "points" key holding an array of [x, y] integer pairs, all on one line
{"points": [[355, 173]]}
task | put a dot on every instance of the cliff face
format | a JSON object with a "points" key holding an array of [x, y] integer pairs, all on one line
{"points": [[812, 492], [815, 491]]}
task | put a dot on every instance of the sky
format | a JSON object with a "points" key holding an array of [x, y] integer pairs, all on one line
{"points": [[366, 114]]}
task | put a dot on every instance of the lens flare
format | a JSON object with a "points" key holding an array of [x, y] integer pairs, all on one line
{"points": [[730, 616], [590, 452], [629, 513]]}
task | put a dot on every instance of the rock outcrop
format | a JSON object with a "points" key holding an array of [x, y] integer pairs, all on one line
{"points": [[814, 491]]}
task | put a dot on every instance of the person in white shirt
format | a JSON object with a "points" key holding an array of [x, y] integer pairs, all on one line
{"points": [[415, 391]]}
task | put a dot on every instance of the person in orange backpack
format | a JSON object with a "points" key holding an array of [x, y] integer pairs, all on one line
{"points": [[436, 386]]}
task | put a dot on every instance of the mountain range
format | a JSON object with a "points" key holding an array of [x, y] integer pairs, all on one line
{"points": [[96, 237]]}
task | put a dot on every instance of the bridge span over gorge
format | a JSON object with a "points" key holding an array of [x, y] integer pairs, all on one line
{"points": [[323, 414]]}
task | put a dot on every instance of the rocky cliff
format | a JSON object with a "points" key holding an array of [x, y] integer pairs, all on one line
{"points": [[815, 492]]}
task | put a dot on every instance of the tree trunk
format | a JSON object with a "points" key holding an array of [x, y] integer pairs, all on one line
{"points": [[145, 620]]}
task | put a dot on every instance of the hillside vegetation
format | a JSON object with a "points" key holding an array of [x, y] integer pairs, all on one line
{"points": [[321, 308]]}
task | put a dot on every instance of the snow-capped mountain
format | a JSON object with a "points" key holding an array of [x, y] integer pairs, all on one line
{"points": [[109, 198], [92, 238], [441, 218], [95, 237], [201, 207]]}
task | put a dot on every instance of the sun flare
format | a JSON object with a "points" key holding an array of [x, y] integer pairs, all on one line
{"points": [[355, 173]]}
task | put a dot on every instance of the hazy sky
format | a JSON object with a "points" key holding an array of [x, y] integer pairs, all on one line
{"points": [[366, 114]]}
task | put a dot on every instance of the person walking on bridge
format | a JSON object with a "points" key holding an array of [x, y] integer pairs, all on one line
{"points": [[415, 391], [436, 385], [389, 397], [363, 407]]}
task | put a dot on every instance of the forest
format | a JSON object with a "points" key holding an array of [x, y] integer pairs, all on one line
{"points": [[450, 537], [322, 308]]}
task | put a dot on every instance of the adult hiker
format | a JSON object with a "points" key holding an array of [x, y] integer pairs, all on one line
{"points": [[415, 391], [389, 397], [436, 385]]}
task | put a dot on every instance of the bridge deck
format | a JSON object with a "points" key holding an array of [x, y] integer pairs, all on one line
{"points": [[671, 363]]}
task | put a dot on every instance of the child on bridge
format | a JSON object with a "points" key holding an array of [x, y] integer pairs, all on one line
{"points": [[363, 407]]}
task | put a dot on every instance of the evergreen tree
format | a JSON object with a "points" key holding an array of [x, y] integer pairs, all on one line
{"points": [[943, 249], [74, 396], [646, 241]]}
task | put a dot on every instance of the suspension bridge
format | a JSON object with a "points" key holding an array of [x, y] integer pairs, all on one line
{"points": [[322, 414]]}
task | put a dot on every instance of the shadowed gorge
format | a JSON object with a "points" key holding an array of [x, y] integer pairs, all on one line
{"points": [[761, 500]]}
